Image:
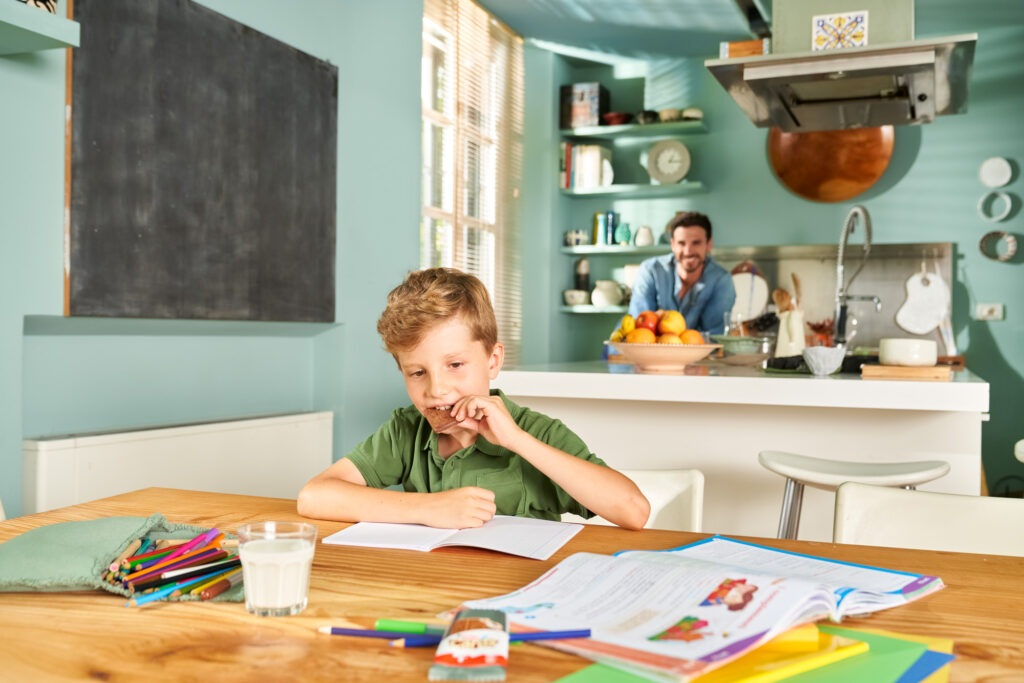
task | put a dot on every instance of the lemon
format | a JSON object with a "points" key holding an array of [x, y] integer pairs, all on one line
{"points": [[627, 325]]}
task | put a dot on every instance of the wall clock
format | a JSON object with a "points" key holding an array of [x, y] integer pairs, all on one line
{"points": [[668, 161]]}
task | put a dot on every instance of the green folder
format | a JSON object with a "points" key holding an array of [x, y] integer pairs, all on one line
{"points": [[884, 662]]}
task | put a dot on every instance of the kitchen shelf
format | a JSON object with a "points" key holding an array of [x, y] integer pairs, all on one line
{"points": [[30, 29], [636, 130], [590, 308], [601, 249], [638, 191]]}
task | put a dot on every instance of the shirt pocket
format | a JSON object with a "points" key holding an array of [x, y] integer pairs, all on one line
{"points": [[507, 488]]}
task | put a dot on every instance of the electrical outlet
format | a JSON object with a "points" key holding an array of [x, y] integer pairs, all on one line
{"points": [[988, 311]]}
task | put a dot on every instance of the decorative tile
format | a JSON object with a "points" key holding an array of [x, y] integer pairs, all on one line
{"points": [[846, 29]]}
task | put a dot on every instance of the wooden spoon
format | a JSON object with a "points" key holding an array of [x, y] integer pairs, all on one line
{"points": [[782, 300], [798, 297]]}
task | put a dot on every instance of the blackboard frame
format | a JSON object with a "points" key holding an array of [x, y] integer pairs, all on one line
{"points": [[202, 168]]}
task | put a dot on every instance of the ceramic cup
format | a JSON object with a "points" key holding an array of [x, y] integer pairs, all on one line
{"points": [[576, 297]]}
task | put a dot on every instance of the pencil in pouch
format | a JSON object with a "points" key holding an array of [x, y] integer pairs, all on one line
{"points": [[474, 648]]}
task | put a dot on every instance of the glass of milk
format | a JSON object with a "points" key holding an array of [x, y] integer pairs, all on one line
{"points": [[276, 560]]}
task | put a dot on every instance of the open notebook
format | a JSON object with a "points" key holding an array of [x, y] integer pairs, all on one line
{"points": [[537, 539]]}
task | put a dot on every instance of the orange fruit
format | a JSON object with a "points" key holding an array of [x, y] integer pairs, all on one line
{"points": [[671, 322], [641, 335], [669, 339], [691, 337]]}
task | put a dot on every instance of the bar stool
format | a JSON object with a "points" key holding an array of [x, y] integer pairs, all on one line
{"points": [[801, 470]]}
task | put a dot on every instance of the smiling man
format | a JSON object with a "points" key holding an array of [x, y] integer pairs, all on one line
{"points": [[688, 280]]}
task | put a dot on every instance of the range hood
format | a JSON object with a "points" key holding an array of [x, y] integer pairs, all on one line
{"points": [[895, 83]]}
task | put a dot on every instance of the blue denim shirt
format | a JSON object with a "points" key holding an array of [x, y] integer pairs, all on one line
{"points": [[704, 306]]}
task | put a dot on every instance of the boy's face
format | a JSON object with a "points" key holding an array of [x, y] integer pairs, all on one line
{"points": [[447, 365]]}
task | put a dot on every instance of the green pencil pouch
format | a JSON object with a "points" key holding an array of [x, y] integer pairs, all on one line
{"points": [[69, 556]]}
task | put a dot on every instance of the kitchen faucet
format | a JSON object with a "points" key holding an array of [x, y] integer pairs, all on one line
{"points": [[842, 288]]}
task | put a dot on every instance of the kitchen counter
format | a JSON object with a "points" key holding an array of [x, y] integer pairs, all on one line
{"points": [[717, 417], [716, 382]]}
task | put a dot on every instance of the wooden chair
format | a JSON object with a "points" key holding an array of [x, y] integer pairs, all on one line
{"points": [[898, 518], [676, 497]]}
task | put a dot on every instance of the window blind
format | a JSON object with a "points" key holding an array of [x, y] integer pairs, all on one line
{"points": [[472, 101]]}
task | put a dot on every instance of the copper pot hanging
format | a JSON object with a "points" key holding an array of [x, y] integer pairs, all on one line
{"points": [[830, 165]]}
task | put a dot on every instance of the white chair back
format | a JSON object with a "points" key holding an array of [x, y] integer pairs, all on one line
{"points": [[883, 516], [676, 497]]}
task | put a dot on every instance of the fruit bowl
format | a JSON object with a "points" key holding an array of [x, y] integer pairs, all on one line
{"points": [[663, 358]]}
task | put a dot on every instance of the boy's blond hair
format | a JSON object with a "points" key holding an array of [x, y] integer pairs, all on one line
{"points": [[432, 296]]}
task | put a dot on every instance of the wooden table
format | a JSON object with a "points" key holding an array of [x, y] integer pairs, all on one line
{"points": [[92, 635]]}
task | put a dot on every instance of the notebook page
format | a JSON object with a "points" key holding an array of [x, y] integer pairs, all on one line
{"points": [[534, 538], [387, 535]]}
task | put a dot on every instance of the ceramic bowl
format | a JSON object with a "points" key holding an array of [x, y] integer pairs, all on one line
{"points": [[907, 352], [576, 297], [824, 360], [693, 114], [670, 114], [647, 116], [670, 359], [616, 118], [743, 350]]}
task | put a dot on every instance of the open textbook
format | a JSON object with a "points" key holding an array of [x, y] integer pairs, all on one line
{"points": [[534, 538], [676, 614]]}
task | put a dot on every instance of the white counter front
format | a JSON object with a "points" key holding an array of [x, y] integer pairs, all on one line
{"points": [[717, 418]]}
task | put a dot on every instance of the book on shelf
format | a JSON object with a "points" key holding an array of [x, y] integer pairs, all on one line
{"points": [[537, 539], [587, 166], [684, 612]]}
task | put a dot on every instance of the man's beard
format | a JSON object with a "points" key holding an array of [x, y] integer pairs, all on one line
{"points": [[693, 264]]}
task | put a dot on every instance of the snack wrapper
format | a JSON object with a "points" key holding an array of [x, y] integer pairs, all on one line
{"points": [[474, 648]]}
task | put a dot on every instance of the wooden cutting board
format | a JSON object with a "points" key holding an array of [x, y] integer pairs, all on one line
{"points": [[930, 373]]}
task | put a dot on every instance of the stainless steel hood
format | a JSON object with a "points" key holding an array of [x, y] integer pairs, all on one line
{"points": [[896, 83]]}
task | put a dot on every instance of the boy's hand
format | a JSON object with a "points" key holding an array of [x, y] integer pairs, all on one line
{"points": [[461, 508], [488, 416]]}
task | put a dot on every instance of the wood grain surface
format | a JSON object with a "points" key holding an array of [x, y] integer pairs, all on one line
{"points": [[830, 165], [91, 635]]}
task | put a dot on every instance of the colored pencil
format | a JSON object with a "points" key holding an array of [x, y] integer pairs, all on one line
{"points": [[205, 569], [201, 539], [146, 542], [132, 548], [214, 578], [167, 565], [362, 632], [221, 586], [163, 592], [211, 555], [426, 639], [214, 563], [413, 627], [142, 557]]}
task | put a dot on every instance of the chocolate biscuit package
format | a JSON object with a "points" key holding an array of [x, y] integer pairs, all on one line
{"points": [[474, 648]]}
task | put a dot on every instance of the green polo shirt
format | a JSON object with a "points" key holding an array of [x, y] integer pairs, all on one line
{"points": [[404, 452]]}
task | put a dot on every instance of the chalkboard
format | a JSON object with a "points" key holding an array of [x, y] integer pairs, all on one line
{"points": [[203, 175]]}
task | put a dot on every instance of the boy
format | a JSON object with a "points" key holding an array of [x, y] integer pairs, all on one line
{"points": [[440, 327]]}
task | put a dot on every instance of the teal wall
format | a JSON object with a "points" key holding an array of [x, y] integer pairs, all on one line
{"points": [[59, 376], [928, 194]]}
